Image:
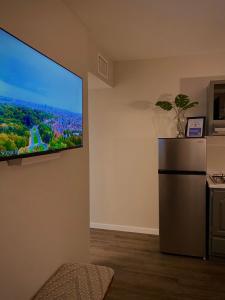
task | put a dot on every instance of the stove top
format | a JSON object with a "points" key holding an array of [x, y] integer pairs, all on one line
{"points": [[218, 178]]}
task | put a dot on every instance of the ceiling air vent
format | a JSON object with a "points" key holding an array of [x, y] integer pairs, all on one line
{"points": [[103, 68]]}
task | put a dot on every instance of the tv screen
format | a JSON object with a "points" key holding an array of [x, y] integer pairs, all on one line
{"points": [[40, 102]]}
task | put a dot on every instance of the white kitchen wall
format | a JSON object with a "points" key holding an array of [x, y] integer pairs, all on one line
{"points": [[124, 127], [216, 154]]}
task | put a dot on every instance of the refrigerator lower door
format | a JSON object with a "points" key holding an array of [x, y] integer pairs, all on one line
{"points": [[182, 207]]}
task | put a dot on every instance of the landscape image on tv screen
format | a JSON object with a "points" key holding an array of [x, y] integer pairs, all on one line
{"points": [[40, 102]]}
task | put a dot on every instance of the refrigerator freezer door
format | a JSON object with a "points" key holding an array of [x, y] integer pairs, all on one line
{"points": [[182, 214], [182, 154]]}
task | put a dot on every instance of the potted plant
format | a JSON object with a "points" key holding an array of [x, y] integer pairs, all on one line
{"points": [[180, 105]]}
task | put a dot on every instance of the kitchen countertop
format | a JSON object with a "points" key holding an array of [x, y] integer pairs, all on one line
{"points": [[212, 185]]}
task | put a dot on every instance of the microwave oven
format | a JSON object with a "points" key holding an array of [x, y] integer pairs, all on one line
{"points": [[216, 108]]}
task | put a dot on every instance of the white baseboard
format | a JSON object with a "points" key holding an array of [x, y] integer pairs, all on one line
{"points": [[135, 229]]}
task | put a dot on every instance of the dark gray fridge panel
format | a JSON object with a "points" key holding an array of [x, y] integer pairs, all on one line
{"points": [[182, 154], [182, 214]]}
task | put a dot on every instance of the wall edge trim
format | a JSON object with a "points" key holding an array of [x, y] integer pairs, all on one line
{"points": [[134, 229]]}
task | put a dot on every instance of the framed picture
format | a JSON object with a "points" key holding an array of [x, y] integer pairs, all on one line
{"points": [[195, 127]]}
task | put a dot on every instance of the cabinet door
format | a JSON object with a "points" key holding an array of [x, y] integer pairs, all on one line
{"points": [[218, 246], [218, 224]]}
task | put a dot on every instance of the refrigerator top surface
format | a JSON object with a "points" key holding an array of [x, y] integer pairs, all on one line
{"points": [[187, 154], [181, 139]]}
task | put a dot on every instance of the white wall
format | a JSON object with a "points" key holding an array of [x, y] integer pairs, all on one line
{"points": [[93, 48], [216, 154], [124, 127], [44, 208], [93, 52]]}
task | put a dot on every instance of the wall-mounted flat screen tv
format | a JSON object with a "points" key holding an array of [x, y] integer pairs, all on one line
{"points": [[40, 102]]}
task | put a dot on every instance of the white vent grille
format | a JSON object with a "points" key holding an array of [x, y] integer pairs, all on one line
{"points": [[103, 66]]}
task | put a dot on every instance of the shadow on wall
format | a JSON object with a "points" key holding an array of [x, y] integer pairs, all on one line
{"points": [[158, 122], [150, 104], [141, 105], [196, 89]]}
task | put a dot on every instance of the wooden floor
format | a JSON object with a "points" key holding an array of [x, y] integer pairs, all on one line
{"points": [[143, 273]]}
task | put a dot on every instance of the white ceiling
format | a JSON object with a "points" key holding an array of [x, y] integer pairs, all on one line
{"points": [[143, 29]]}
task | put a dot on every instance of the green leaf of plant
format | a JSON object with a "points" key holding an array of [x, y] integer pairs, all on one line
{"points": [[190, 105], [181, 100], [166, 105]]}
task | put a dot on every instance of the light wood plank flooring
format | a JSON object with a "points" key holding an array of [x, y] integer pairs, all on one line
{"points": [[143, 273]]}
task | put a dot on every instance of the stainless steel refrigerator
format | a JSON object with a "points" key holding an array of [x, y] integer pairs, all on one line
{"points": [[182, 196]]}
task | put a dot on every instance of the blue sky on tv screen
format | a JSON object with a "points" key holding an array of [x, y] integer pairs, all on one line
{"points": [[27, 75]]}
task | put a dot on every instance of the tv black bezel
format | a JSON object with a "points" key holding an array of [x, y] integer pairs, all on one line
{"points": [[26, 155]]}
